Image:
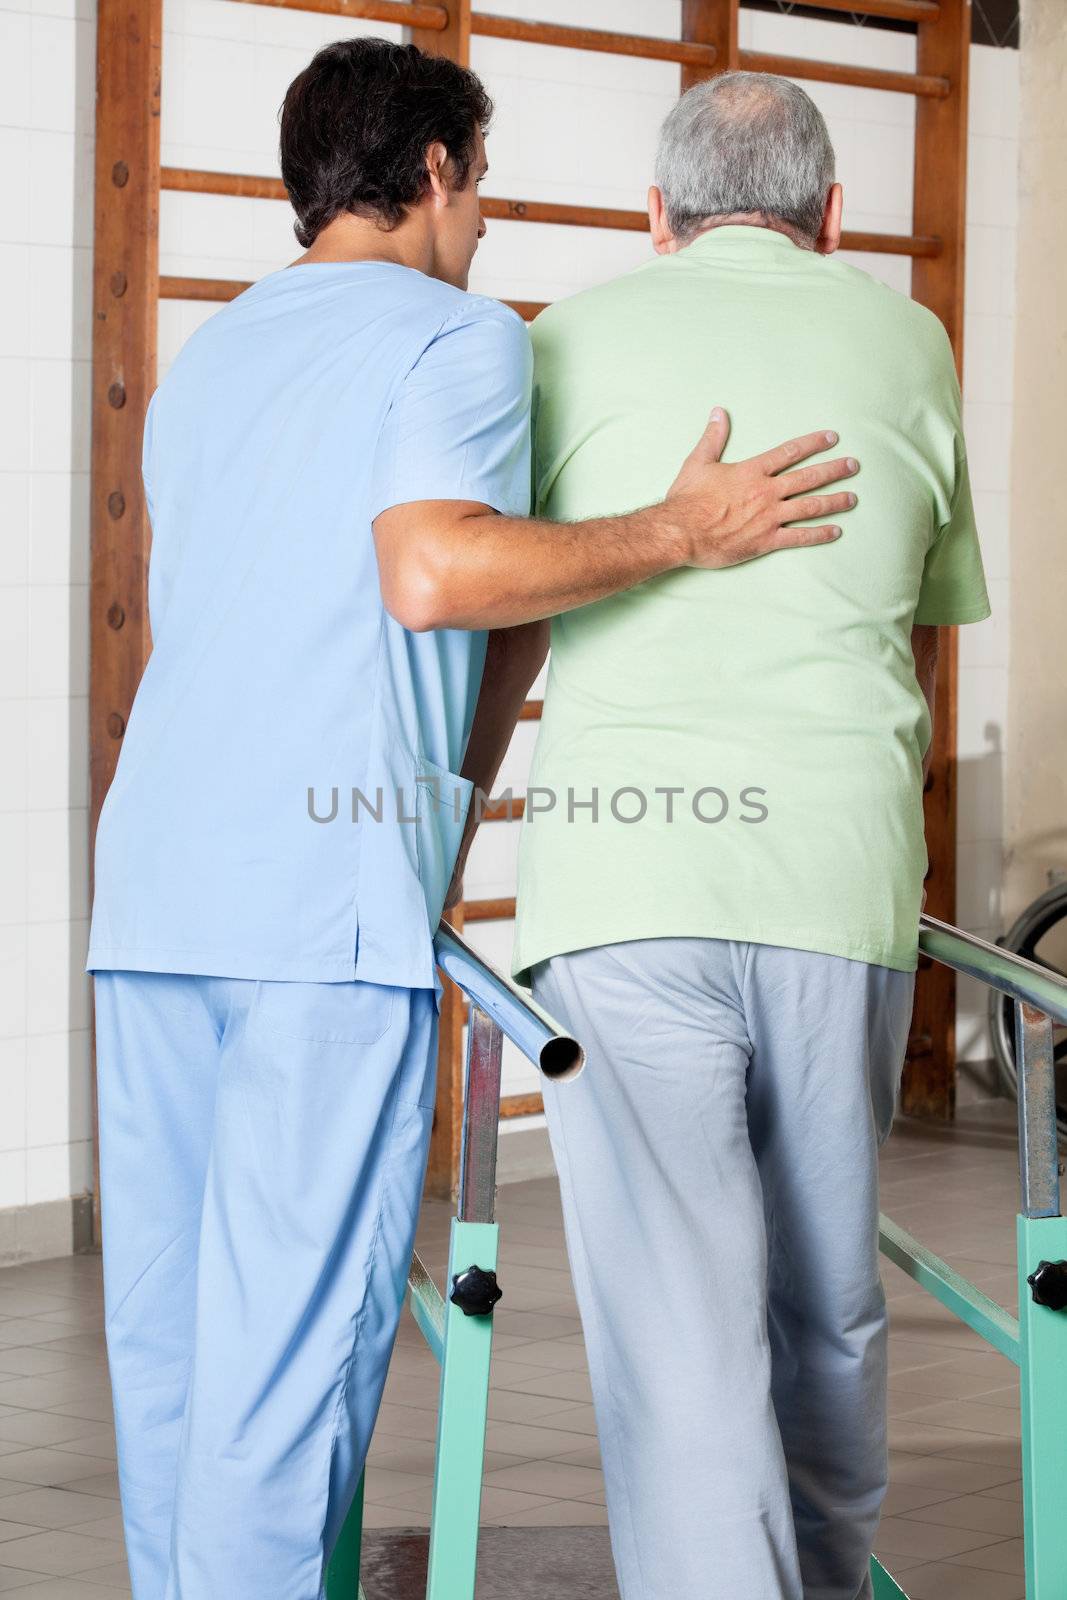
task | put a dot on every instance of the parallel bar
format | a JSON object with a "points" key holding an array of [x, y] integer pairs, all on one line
{"points": [[189, 180], [990, 1321], [571, 38], [1000, 969], [427, 1307], [1035, 1069], [523, 1021], [531, 711], [899, 10], [925, 85], [410, 16]]}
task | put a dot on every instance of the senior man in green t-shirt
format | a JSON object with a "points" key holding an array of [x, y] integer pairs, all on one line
{"points": [[722, 858]]}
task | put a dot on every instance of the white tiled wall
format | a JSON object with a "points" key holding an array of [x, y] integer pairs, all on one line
{"points": [[569, 126], [47, 50]]}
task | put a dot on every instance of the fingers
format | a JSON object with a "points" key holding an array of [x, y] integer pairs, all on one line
{"points": [[794, 538], [802, 507], [712, 442], [794, 450], [805, 479]]}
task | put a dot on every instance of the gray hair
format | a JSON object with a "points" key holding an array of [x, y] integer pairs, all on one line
{"points": [[743, 142]]}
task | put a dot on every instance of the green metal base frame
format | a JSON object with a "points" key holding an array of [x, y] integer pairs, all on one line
{"points": [[1043, 1385], [885, 1587], [457, 1483]]}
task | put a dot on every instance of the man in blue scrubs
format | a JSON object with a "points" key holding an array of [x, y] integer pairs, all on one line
{"points": [[337, 475]]}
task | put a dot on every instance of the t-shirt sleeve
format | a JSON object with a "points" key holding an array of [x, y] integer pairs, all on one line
{"points": [[953, 585], [459, 426]]}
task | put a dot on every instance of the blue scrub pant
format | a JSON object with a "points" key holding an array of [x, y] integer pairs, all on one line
{"points": [[262, 1153], [718, 1167]]}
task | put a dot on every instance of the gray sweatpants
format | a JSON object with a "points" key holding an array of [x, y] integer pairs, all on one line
{"points": [[718, 1167]]}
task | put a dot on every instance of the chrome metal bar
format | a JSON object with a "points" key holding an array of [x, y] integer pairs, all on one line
{"points": [[427, 1306], [481, 1118], [1000, 969], [1039, 1159], [522, 1020]]}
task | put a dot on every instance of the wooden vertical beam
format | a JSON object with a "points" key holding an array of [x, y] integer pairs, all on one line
{"points": [[929, 1087], [453, 41], [712, 22], [442, 1174], [125, 293]]}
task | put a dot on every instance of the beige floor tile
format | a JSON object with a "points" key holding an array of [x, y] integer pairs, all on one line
{"points": [[564, 1385], [59, 1552], [55, 1508], [506, 1405], [978, 1511], [74, 1588], [553, 1478], [51, 1466], [556, 1514], [523, 1439], [25, 1428], [1008, 1557], [901, 1536], [944, 1581]]}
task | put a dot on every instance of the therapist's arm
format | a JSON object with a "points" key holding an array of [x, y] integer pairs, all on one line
{"points": [[458, 564], [925, 647], [513, 658], [925, 643]]}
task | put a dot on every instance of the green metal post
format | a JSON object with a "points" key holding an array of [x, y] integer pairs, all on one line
{"points": [[457, 1485], [342, 1574], [1043, 1375]]}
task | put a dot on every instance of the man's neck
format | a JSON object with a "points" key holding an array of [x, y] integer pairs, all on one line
{"points": [[349, 238], [751, 219]]}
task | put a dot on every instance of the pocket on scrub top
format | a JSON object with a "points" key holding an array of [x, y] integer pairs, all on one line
{"points": [[352, 1012], [442, 800]]}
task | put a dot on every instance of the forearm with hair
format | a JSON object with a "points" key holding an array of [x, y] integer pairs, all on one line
{"points": [[513, 658], [482, 570]]}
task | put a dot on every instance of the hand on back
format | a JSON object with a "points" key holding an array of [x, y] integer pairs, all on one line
{"points": [[733, 512]]}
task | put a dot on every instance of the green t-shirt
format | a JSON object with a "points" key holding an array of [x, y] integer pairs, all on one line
{"points": [[752, 737]]}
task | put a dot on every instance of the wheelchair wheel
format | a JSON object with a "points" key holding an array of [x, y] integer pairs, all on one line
{"points": [[1040, 935]]}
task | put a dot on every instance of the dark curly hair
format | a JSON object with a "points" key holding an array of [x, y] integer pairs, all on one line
{"points": [[356, 124]]}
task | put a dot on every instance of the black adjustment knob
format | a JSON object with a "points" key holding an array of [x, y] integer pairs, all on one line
{"points": [[475, 1292], [1048, 1284]]}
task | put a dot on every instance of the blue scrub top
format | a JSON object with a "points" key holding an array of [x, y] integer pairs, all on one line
{"points": [[288, 803]]}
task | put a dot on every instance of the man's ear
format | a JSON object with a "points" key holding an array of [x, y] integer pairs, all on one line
{"points": [[830, 233], [662, 237], [436, 167]]}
